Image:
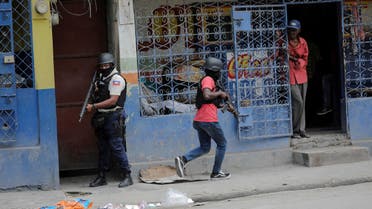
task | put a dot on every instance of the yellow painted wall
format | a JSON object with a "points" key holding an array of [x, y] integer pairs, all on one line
{"points": [[43, 49]]}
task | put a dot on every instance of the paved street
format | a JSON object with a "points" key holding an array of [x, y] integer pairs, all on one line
{"points": [[293, 182], [343, 197]]}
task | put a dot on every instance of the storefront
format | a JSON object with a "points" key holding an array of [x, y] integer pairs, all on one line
{"points": [[173, 39], [160, 47]]}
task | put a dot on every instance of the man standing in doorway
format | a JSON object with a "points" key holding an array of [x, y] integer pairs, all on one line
{"points": [[298, 53], [109, 118], [206, 121]]}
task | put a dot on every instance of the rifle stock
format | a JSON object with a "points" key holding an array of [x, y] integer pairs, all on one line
{"points": [[89, 93], [230, 107]]}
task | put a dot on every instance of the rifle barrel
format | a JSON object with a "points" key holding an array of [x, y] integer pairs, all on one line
{"points": [[83, 108]]}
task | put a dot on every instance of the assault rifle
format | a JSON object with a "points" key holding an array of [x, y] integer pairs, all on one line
{"points": [[87, 97], [227, 104]]}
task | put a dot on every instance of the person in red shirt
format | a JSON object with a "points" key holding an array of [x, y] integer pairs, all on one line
{"points": [[206, 121], [298, 53]]}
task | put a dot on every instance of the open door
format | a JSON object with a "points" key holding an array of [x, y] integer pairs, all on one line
{"points": [[77, 42], [261, 71], [325, 100]]}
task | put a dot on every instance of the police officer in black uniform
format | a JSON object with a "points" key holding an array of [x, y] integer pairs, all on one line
{"points": [[109, 119]]}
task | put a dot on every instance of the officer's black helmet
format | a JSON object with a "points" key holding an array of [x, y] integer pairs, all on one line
{"points": [[105, 58], [213, 64]]}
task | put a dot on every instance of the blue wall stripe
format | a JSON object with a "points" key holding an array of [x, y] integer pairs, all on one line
{"points": [[164, 137], [360, 118]]}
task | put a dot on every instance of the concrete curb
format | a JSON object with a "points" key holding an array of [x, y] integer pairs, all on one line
{"points": [[231, 195]]}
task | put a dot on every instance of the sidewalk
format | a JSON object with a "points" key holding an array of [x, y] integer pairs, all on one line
{"points": [[242, 183]]}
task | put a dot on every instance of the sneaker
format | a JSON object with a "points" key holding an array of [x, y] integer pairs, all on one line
{"points": [[296, 136], [304, 135], [180, 166], [324, 111], [220, 175]]}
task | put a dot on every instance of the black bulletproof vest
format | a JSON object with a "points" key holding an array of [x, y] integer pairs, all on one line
{"points": [[103, 92]]}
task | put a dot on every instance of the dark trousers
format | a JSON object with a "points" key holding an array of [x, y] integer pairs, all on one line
{"points": [[327, 86], [110, 141]]}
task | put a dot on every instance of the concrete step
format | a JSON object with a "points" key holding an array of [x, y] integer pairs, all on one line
{"points": [[321, 139], [330, 155]]}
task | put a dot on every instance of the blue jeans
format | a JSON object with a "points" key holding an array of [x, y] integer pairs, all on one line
{"points": [[206, 132]]}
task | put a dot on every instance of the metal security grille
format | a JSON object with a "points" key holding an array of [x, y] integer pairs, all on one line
{"points": [[7, 76], [23, 53], [5, 39], [172, 43], [263, 96], [358, 49], [308, 1], [15, 62], [174, 39]]}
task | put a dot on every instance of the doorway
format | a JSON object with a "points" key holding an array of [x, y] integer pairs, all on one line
{"points": [[321, 28], [78, 39]]}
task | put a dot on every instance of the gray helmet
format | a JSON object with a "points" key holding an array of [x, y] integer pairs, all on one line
{"points": [[213, 64], [105, 58]]}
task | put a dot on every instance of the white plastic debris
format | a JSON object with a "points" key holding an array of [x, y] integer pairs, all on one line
{"points": [[176, 198], [132, 207], [111, 206]]}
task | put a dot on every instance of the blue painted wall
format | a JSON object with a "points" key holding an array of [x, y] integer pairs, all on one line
{"points": [[359, 114], [27, 117], [34, 162], [166, 136]]}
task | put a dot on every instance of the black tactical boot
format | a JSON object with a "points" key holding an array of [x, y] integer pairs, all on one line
{"points": [[127, 181], [100, 180]]}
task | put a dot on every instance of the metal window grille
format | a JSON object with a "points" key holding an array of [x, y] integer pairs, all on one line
{"points": [[358, 49], [173, 41], [23, 51], [8, 126], [172, 44], [308, 1], [5, 39]]}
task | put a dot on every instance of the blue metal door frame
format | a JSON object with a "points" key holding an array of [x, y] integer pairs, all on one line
{"points": [[261, 70], [8, 105]]}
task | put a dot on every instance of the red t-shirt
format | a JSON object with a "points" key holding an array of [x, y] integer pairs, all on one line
{"points": [[297, 69], [207, 112]]}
